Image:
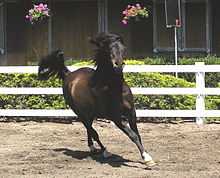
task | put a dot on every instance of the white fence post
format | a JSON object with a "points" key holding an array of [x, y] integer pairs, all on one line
{"points": [[200, 100]]}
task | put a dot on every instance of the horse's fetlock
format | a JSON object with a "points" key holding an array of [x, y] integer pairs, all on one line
{"points": [[135, 138]]}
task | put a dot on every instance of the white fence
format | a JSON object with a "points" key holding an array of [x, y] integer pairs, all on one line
{"points": [[200, 91]]}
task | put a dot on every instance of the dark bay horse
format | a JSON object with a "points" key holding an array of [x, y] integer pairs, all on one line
{"points": [[100, 92]]}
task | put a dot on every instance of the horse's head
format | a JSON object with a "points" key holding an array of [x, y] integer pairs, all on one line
{"points": [[51, 64], [110, 50]]}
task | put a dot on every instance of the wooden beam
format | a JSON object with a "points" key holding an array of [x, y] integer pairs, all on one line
{"points": [[50, 38], [208, 27]]}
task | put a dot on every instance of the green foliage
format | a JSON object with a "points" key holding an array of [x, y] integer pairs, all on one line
{"points": [[29, 101], [57, 101], [212, 79], [148, 61], [79, 62], [162, 101], [133, 79]]}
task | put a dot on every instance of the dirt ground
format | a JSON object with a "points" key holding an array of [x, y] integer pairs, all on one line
{"points": [[46, 150]]}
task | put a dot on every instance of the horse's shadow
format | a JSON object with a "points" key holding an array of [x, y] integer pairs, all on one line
{"points": [[114, 160]]}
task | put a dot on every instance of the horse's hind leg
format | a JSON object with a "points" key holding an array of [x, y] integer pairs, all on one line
{"points": [[92, 134], [132, 120], [135, 138], [91, 146]]}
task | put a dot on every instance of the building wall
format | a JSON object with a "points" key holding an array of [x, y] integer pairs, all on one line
{"points": [[69, 28], [74, 21], [216, 27], [24, 42], [138, 35], [72, 25]]}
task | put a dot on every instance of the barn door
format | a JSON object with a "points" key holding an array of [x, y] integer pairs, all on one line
{"points": [[2, 29]]}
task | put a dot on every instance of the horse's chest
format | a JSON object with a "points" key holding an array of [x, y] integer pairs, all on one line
{"points": [[109, 105]]}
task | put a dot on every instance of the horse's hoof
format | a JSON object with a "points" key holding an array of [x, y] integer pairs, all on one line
{"points": [[150, 163], [106, 154], [94, 150]]}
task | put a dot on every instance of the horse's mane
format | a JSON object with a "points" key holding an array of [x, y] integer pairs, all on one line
{"points": [[104, 73]]}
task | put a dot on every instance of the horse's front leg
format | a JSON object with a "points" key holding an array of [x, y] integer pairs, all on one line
{"points": [[135, 138]]}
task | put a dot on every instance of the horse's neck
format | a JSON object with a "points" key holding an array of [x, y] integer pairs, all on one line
{"points": [[104, 70], [105, 76]]}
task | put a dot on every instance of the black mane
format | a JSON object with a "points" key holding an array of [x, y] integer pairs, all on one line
{"points": [[103, 42], [105, 73]]}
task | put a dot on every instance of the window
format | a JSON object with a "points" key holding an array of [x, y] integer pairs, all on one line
{"points": [[193, 36]]}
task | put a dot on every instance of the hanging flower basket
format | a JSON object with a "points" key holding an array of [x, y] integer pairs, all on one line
{"points": [[135, 12], [38, 13]]}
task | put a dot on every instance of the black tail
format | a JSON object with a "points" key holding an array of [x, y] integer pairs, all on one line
{"points": [[52, 65]]}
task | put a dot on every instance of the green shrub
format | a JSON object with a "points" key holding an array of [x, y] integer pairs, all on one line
{"points": [[29, 101], [160, 101], [212, 79], [133, 79]]}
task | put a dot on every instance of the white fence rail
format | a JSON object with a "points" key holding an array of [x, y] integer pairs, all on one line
{"points": [[200, 91]]}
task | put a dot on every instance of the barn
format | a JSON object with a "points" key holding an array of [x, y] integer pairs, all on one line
{"points": [[72, 22]]}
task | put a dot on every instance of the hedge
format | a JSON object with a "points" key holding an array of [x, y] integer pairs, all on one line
{"points": [[212, 79], [133, 79]]}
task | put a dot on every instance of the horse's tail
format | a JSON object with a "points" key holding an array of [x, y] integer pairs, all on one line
{"points": [[52, 65]]}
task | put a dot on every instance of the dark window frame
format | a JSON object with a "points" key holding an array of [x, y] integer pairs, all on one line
{"points": [[182, 32]]}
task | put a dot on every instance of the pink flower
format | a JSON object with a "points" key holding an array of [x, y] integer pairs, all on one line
{"points": [[37, 13], [124, 22], [41, 5], [138, 6], [124, 12], [132, 11]]}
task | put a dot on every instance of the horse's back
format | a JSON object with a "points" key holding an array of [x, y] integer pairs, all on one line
{"points": [[77, 90]]}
